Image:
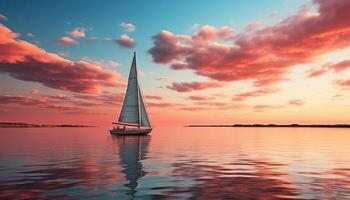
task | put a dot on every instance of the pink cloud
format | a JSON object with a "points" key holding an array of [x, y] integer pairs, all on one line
{"points": [[155, 97], [208, 33], [262, 107], [38, 102], [163, 105], [255, 93], [268, 81], [337, 96], [76, 104], [92, 39], [273, 14], [219, 95], [128, 26], [253, 26], [27, 62], [343, 83], [178, 66], [140, 74], [265, 54], [125, 41], [194, 108], [205, 106], [210, 103], [162, 78], [200, 98], [102, 63], [335, 67], [63, 54], [340, 66], [35, 91], [67, 41], [296, 102], [194, 86], [57, 97], [77, 32], [3, 17], [318, 72], [31, 35], [106, 98]]}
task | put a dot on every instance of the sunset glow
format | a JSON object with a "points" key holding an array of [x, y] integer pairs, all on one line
{"points": [[281, 62]]}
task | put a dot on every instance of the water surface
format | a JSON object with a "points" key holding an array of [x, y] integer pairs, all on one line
{"points": [[175, 163]]}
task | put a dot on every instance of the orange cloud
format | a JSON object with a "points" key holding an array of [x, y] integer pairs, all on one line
{"points": [[27, 62]]}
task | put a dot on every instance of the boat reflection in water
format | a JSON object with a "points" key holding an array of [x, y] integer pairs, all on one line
{"points": [[132, 150], [203, 163]]}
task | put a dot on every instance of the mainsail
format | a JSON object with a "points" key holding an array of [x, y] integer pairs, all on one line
{"points": [[133, 110]]}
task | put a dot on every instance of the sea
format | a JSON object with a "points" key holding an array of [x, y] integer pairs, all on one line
{"points": [[175, 163]]}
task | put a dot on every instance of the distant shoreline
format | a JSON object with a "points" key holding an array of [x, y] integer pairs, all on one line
{"points": [[275, 125], [29, 125]]}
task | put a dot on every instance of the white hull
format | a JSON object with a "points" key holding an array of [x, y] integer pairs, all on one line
{"points": [[130, 131]]}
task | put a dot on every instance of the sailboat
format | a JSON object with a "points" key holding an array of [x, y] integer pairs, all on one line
{"points": [[133, 118]]}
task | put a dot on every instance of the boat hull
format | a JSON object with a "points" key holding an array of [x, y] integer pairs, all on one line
{"points": [[130, 131]]}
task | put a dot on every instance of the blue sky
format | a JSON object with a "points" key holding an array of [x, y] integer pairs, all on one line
{"points": [[49, 20]]}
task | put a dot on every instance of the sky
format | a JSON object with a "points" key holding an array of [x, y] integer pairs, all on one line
{"points": [[213, 62]]}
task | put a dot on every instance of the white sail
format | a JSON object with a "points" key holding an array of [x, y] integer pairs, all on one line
{"points": [[133, 110], [130, 109], [144, 118]]}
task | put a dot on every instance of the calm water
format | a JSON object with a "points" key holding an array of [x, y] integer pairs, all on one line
{"points": [[175, 163]]}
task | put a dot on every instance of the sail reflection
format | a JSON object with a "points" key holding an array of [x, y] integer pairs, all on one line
{"points": [[132, 150]]}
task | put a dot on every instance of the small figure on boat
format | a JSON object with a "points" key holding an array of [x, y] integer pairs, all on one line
{"points": [[133, 112]]}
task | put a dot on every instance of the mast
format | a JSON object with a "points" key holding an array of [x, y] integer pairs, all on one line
{"points": [[138, 94]]}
